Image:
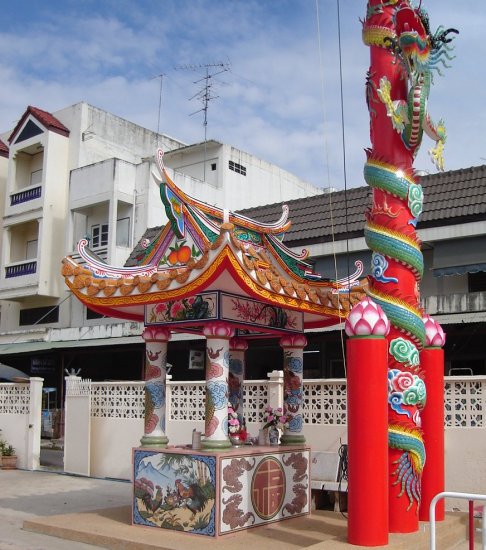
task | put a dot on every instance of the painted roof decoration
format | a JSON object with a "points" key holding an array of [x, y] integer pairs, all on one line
{"points": [[204, 248], [48, 120]]}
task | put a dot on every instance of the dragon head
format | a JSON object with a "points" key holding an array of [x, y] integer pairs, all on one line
{"points": [[414, 39], [420, 50]]}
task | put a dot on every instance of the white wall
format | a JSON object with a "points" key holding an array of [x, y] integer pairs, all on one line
{"points": [[264, 182], [97, 134], [20, 420]]}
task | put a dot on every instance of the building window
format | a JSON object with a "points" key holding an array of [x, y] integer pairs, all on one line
{"points": [[31, 250], [99, 235], [213, 166], [36, 177], [123, 232], [39, 315], [477, 281], [238, 168]]}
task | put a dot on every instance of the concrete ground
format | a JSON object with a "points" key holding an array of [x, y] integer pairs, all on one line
{"points": [[25, 495], [51, 511]]}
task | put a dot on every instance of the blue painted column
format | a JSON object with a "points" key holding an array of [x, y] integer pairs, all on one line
{"points": [[156, 340], [237, 365], [218, 335], [293, 348]]}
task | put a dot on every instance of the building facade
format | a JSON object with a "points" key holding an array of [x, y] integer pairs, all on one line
{"points": [[84, 172]]}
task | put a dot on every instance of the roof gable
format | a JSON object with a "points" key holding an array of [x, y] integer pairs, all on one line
{"points": [[29, 130], [49, 121]]}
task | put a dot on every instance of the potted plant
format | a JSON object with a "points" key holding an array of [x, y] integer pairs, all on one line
{"points": [[7, 455]]}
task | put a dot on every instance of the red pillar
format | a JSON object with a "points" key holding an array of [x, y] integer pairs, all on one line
{"points": [[432, 362], [367, 363], [433, 477], [367, 399]]}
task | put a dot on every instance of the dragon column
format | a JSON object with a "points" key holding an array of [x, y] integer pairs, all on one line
{"points": [[403, 54]]}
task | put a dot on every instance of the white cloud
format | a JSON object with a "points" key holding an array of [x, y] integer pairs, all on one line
{"points": [[270, 103]]}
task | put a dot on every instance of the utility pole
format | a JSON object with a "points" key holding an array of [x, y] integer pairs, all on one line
{"points": [[161, 76]]}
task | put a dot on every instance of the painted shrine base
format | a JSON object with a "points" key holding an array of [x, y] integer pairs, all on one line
{"points": [[217, 493], [322, 530]]}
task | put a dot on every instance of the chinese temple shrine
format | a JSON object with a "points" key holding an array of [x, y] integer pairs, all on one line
{"points": [[215, 273]]}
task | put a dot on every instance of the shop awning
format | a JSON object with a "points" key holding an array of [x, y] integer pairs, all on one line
{"points": [[459, 269], [26, 347], [459, 256]]}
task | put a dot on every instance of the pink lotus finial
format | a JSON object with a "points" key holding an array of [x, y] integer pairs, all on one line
{"points": [[367, 319], [434, 335]]}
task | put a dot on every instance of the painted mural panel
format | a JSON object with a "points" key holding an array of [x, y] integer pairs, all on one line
{"points": [[257, 314], [262, 488], [175, 491], [195, 308]]}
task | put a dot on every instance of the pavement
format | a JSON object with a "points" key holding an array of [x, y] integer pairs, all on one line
{"points": [[28, 495], [41, 510]]}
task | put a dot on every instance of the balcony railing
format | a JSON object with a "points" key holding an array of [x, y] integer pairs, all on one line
{"points": [[20, 269], [26, 195]]}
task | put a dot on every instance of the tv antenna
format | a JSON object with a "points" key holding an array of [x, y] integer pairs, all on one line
{"points": [[205, 95]]}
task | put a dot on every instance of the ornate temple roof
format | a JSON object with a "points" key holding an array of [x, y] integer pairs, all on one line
{"points": [[204, 248]]}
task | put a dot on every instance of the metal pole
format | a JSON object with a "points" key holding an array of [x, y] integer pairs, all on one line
{"points": [[471, 525]]}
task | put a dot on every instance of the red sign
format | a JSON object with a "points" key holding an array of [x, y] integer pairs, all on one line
{"points": [[268, 488]]}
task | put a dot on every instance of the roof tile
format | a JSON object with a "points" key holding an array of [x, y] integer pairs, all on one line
{"points": [[448, 195]]}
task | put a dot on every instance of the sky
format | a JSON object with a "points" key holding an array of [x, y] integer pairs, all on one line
{"points": [[280, 100]]}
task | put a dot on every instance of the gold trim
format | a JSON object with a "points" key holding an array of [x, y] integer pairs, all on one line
{"points": [[196, 285]]}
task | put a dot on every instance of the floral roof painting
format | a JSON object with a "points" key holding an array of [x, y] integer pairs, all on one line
{"points": [[206, 260]]}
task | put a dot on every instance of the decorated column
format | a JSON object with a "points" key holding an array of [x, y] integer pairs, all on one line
{"points": [[432, 362], [367, 396], [404, 53], [156, 339], [237, 365], [218, 337], [293, 349]]}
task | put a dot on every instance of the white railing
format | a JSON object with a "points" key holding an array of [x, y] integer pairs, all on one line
{"points": [[185, 400], [117, 399], [465, 401], [325, 400], [471, 497], [255, 400], [14, 398]]}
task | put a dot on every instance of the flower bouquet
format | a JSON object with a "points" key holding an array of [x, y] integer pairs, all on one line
{"points": [[276, 420], [279, 418], [236, 426]]}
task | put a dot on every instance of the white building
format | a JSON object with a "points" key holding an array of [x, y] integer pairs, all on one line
{"points": [[83, 171]]}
